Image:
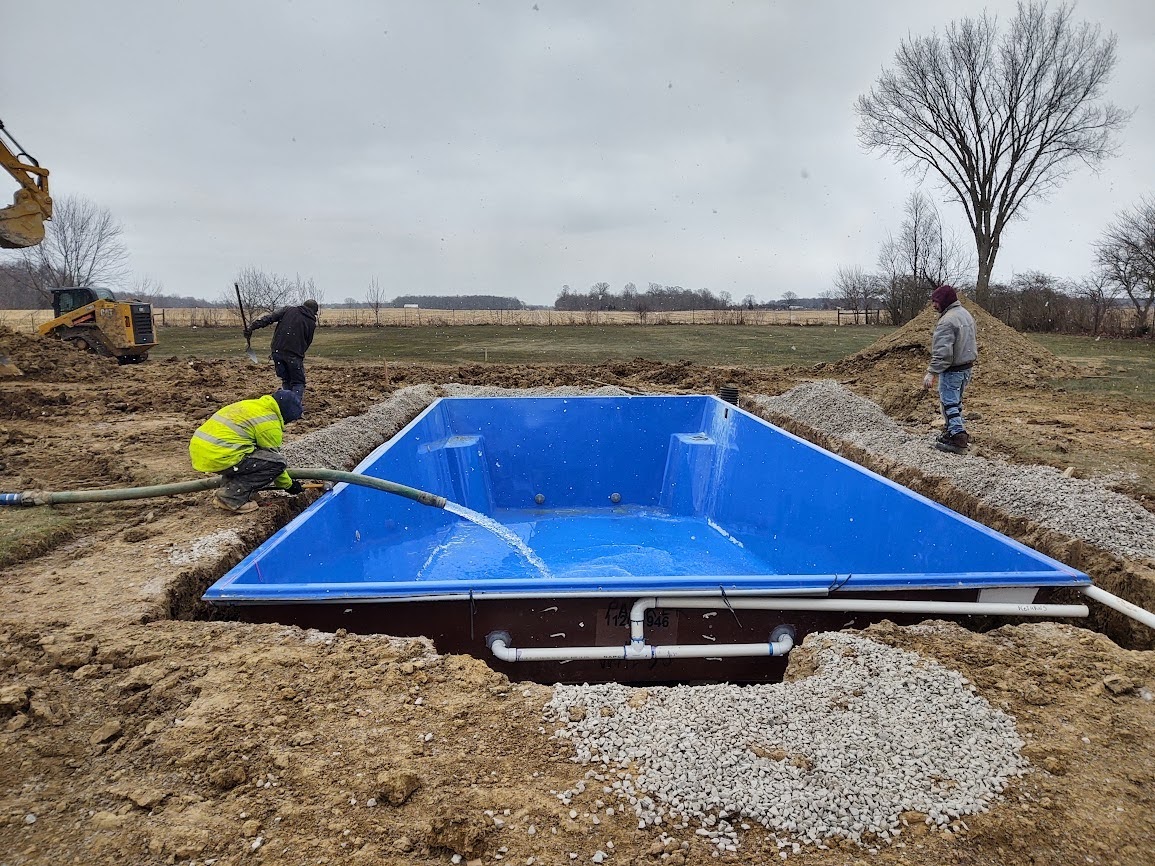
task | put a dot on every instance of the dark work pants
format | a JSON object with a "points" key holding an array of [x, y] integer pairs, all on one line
{"points": [[291, 369], [253, 473]]}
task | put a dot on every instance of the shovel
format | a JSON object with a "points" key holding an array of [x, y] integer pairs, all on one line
{"points": [[249, 353]]}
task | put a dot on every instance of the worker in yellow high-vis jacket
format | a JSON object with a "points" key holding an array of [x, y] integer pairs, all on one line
{"points": [[242, 442]]}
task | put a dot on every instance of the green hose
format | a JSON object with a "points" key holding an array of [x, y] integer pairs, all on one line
{"points": [[422, 496], [44, 497]]}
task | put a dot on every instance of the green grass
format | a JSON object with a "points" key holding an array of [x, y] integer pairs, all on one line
{"points": [[708, 345], [1124, 368], [29, 531]]}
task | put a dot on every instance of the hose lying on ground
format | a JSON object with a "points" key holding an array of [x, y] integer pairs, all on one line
{"points": [[45, 497]]}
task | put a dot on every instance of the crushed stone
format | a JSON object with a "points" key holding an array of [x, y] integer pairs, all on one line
{"points": [[875, 733], [212, 545], [342, 445], [1077, 507]]}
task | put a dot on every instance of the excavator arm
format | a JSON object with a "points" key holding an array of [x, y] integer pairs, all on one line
{"points": [[22, 222]]}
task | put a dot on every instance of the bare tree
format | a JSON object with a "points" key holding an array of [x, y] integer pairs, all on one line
{"points": [[1100, 293], [375, 296], [599, 295], [145, 287], [82, 247], [1000, 120], [1126, 254], [857, 290], [263, 292], [920, 257], [301, 290]]}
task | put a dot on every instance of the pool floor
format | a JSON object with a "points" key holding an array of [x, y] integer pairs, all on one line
{"points": [[622, 542]]}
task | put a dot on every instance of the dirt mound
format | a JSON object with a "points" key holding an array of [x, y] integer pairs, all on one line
{"points": [[1005, 355], [50, 360], [639, 374]]}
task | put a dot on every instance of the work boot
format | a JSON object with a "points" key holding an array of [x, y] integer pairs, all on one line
{"points": [[956, 444], [240, 509]]}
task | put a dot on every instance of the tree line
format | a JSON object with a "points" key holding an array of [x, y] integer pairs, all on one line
{"points": [[655, 299], [1117, 298]]}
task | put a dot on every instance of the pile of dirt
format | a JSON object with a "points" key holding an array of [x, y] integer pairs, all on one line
{"points": [[50, 360], [640, 375], [1005, 355]]}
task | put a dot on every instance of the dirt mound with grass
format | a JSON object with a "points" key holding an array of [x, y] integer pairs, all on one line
{"points": [[49, 360], [1005, 355]]}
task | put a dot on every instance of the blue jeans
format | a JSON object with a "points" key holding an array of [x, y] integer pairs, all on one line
{"points": [[950, 394]]}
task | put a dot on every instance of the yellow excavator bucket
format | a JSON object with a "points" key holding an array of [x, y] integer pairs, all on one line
{"points": [[21, 223]]}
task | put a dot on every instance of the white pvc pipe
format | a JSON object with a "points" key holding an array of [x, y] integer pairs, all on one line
{"points": [[778, 647], [554, 654], [506, 653], [863, 605], [638, 649], [1121, 604]]}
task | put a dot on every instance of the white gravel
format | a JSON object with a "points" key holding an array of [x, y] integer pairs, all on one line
{"points": [[1080, 508], [213, 545], [876, 732], [343, 444]]}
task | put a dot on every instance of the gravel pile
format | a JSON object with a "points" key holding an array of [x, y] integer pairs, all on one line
{"points": [[1077, 507], [342, 445], [877, 732]]}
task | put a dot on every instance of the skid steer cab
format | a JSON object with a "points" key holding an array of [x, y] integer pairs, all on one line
{"points": [[93, 320]]}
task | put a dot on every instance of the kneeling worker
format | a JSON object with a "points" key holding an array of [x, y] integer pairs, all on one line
{"points": [[241, 442]]}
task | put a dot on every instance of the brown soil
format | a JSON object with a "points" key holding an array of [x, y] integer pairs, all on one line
{"points": [[129, 737]]}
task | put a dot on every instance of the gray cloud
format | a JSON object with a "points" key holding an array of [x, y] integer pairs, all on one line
{"points": [[492, 148]]}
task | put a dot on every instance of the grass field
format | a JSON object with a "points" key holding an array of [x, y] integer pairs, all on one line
{"points": [[578, 344], [1122, 367]]}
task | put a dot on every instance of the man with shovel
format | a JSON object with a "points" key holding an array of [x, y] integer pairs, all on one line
{"points": [[291, 340]]}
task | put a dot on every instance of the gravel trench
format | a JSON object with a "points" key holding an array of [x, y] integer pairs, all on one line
{"points": [[1080, 508]]}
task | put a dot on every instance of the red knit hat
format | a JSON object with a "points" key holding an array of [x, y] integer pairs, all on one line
{"points": [[944, 296]]}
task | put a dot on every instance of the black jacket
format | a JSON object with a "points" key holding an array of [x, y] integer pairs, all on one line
{"points": [[294, 334]]}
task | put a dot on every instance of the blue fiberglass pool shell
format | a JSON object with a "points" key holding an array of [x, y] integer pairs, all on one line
{"points": [[622, 496]]}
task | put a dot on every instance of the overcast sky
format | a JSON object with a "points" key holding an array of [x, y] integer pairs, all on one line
{"points": [[511, 147]]}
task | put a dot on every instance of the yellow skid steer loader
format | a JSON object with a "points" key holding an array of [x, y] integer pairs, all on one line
{"points": [[93, 320]]}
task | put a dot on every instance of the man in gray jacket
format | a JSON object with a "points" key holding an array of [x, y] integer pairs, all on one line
{"points": [[953, 350]]}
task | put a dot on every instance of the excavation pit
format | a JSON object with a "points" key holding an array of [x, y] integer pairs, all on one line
{"points": [[677, 536]]}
